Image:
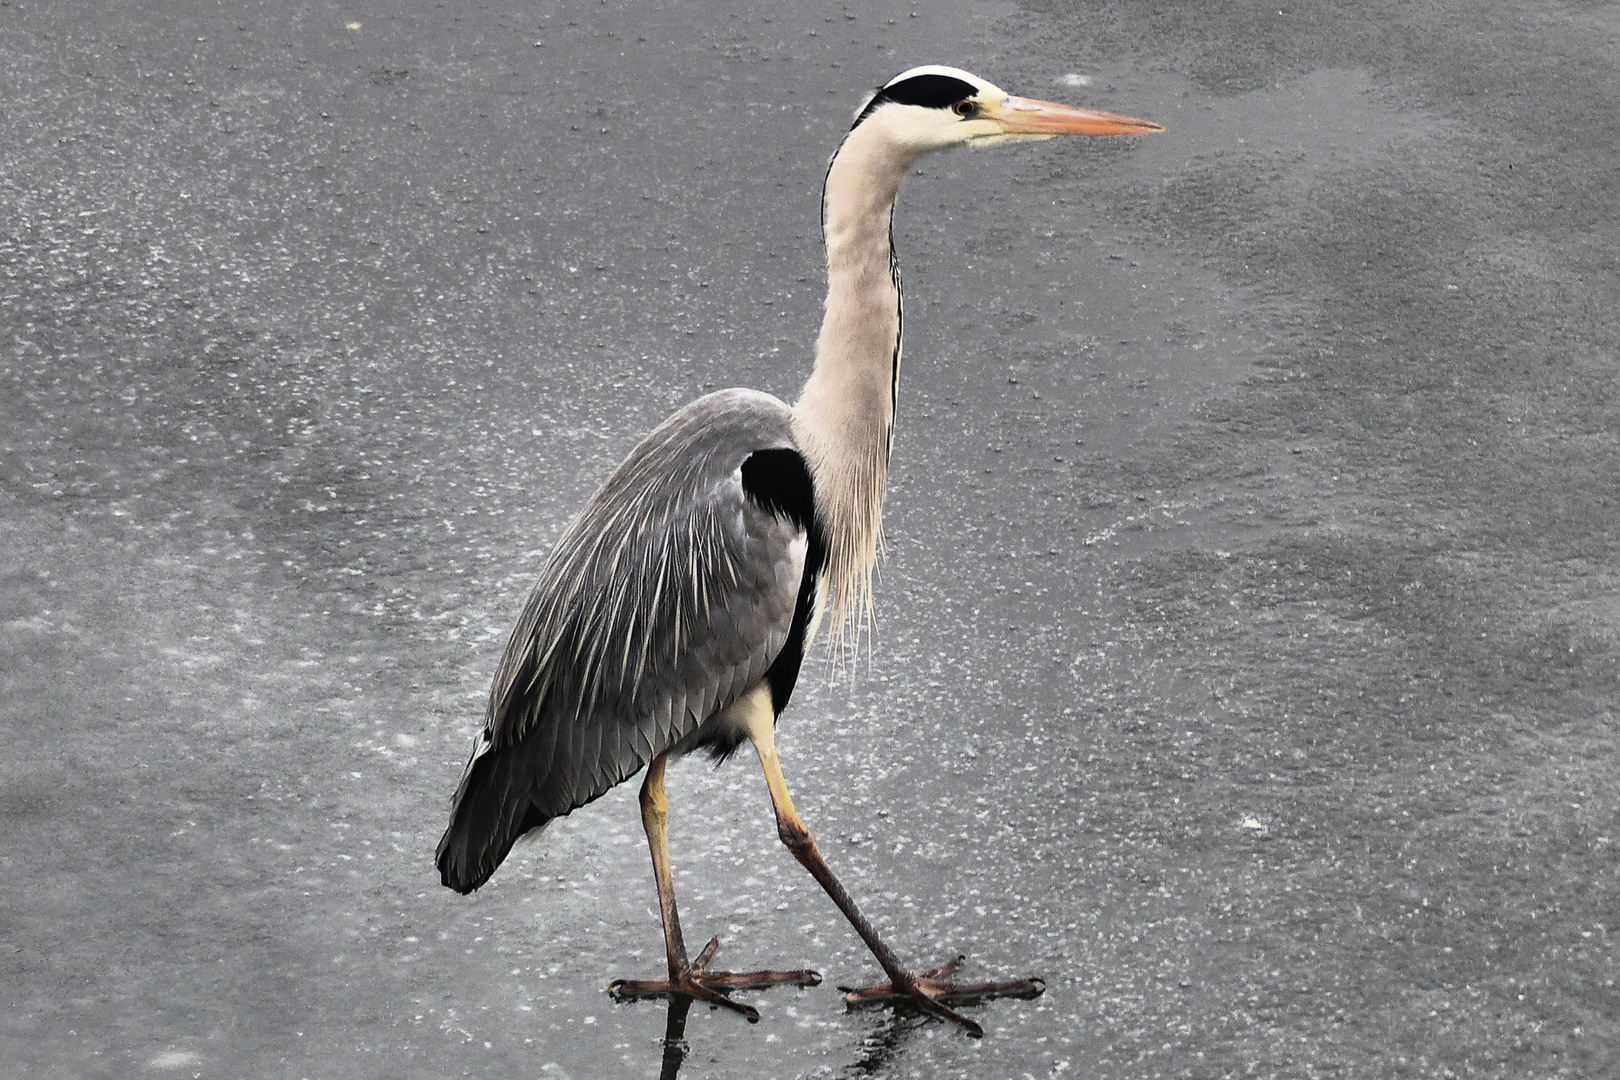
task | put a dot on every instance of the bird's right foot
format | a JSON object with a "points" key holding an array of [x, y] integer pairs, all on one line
{"points": [[698, 982]]}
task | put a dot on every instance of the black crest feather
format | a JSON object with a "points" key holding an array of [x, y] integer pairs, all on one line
{"points": [[931, 91]]}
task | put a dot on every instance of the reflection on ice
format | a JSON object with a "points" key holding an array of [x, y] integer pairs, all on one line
{"points": [[883, 1045], [877, 1050], [675, 1045]]}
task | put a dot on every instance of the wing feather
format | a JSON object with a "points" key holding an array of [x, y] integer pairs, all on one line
{"points": [[661, 604]]}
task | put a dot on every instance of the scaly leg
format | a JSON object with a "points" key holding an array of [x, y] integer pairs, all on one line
{"points": [[685, 977], [936, 984], [929, 990]]}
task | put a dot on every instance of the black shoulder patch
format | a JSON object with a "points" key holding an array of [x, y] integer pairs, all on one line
{"points": [[779, 481], [930, 91]]}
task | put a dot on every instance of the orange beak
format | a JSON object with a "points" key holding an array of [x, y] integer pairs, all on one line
{"points": [[1026, 116]]}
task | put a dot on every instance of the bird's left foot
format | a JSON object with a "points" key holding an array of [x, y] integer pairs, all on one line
{"points": [[712, 986], [932, 989]]}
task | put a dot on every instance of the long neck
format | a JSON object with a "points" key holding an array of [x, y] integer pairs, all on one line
{"points": [[844, 419]]}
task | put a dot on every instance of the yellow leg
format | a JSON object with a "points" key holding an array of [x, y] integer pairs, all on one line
{"points": [[655, 820], [686, 977], [927, 990]]}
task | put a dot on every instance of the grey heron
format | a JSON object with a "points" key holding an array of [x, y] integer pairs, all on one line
{"points": [[674, 612]]}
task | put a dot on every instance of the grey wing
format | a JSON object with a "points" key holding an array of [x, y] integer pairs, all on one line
{"points": [[671, 595]]}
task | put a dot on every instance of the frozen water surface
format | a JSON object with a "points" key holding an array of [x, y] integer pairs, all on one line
{"points": [[1245, 651]]}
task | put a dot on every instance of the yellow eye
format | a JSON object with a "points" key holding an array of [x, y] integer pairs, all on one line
{"points": [[966, 109]]}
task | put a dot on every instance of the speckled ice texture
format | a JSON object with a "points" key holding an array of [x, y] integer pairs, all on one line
{"points": [[1247, 638]]}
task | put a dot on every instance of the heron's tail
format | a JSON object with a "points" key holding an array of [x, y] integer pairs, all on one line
{"points": [[490, 811]]}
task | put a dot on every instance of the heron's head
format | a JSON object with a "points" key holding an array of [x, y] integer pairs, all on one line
{"points": [[934, 107]]}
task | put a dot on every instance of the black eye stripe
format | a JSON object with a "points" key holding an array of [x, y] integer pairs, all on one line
{"points": [[930, 91]]}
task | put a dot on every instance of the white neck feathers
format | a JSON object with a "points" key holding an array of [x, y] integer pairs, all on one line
{"points": [[844, 419]]}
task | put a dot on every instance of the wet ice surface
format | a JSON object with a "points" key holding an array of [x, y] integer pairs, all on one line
{"points": [[1224, 677]]}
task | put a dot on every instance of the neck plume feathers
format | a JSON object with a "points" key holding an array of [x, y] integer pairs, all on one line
{"points": [[844, 419]]}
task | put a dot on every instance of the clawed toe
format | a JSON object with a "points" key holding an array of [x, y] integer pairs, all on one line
{"points": [[714, 987], [685, 983], [932, 989]]}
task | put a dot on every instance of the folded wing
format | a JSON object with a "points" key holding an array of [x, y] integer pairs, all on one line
{"points": [[671, 594]]}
